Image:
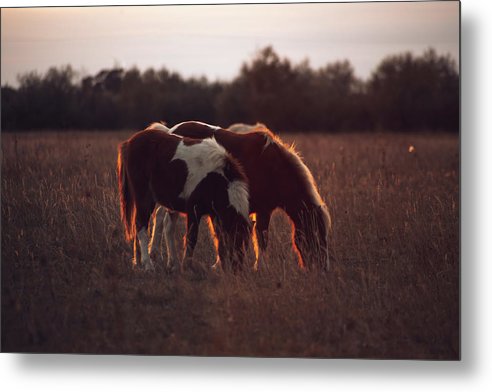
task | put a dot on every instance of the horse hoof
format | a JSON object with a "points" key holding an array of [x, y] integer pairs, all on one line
{"points": [[187, 265], [149, 267], [172, 268], [216, 267], [201, 268], [198, 271], [155, 256]]}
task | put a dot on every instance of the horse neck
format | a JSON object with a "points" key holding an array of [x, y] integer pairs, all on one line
{"points": [[298, 208]]}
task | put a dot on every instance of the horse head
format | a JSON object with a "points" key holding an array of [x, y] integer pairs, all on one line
{"points": [[233, 233], [311, 232]]}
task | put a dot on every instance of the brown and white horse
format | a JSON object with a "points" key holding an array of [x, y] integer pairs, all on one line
{"points": [[196, 177], [278, 178]]}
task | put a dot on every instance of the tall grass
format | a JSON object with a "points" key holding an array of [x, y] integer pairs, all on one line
{"points": [[392, 290]]}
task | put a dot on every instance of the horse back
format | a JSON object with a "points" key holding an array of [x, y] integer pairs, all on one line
{"points": [[151, 146], [149, 153], [194, 129], [260, 156]]}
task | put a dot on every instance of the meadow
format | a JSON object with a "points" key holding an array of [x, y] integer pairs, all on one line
{"points": [[392, 291]]}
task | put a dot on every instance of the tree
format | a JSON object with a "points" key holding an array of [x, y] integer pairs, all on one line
{"points": [[405, 92], [416, 92], [295, 97], [266, 90]]}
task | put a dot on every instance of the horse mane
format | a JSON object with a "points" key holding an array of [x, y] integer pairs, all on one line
{"points": [[269, 136], [293, 156], [247, 128]]}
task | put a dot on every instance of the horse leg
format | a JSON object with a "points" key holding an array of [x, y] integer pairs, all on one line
{"points": [[155, 242], [261, 229], [216, 233], [143, 239], [230, 248], [223, 249], [300, 246], [137, 257], [231, 253], [237, 253], [215, 240], [144, 211], [192, 224], [170, 220]]}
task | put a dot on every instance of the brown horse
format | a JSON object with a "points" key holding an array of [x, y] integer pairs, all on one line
{"points": [[278, 178], [196, 177]]}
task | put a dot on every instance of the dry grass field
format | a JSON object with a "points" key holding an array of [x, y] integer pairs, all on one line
{"points": [[392, 290]]}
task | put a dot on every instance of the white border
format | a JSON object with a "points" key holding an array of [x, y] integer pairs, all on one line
{"points": [[81, 373], [45, 3]]}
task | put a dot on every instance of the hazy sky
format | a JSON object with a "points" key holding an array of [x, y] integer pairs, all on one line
{"points": [[215, 40]]}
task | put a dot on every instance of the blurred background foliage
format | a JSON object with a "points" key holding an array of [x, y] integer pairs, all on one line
{"points": [[405, 92]]}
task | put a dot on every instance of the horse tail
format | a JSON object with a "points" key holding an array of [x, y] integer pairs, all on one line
{"points": [[127, 204]]}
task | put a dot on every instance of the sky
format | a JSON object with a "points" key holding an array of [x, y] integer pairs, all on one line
{"points": [[215, 40]]}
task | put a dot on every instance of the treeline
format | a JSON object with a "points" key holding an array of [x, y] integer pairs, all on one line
{"points": [[404, 92]]}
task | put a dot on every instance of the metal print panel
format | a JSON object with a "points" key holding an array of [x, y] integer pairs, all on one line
{"points": [[269, 180]]}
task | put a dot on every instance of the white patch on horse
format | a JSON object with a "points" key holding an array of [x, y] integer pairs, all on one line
{"points": [[143, 239], [213, 127], [238, 197], [201, 159]]}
